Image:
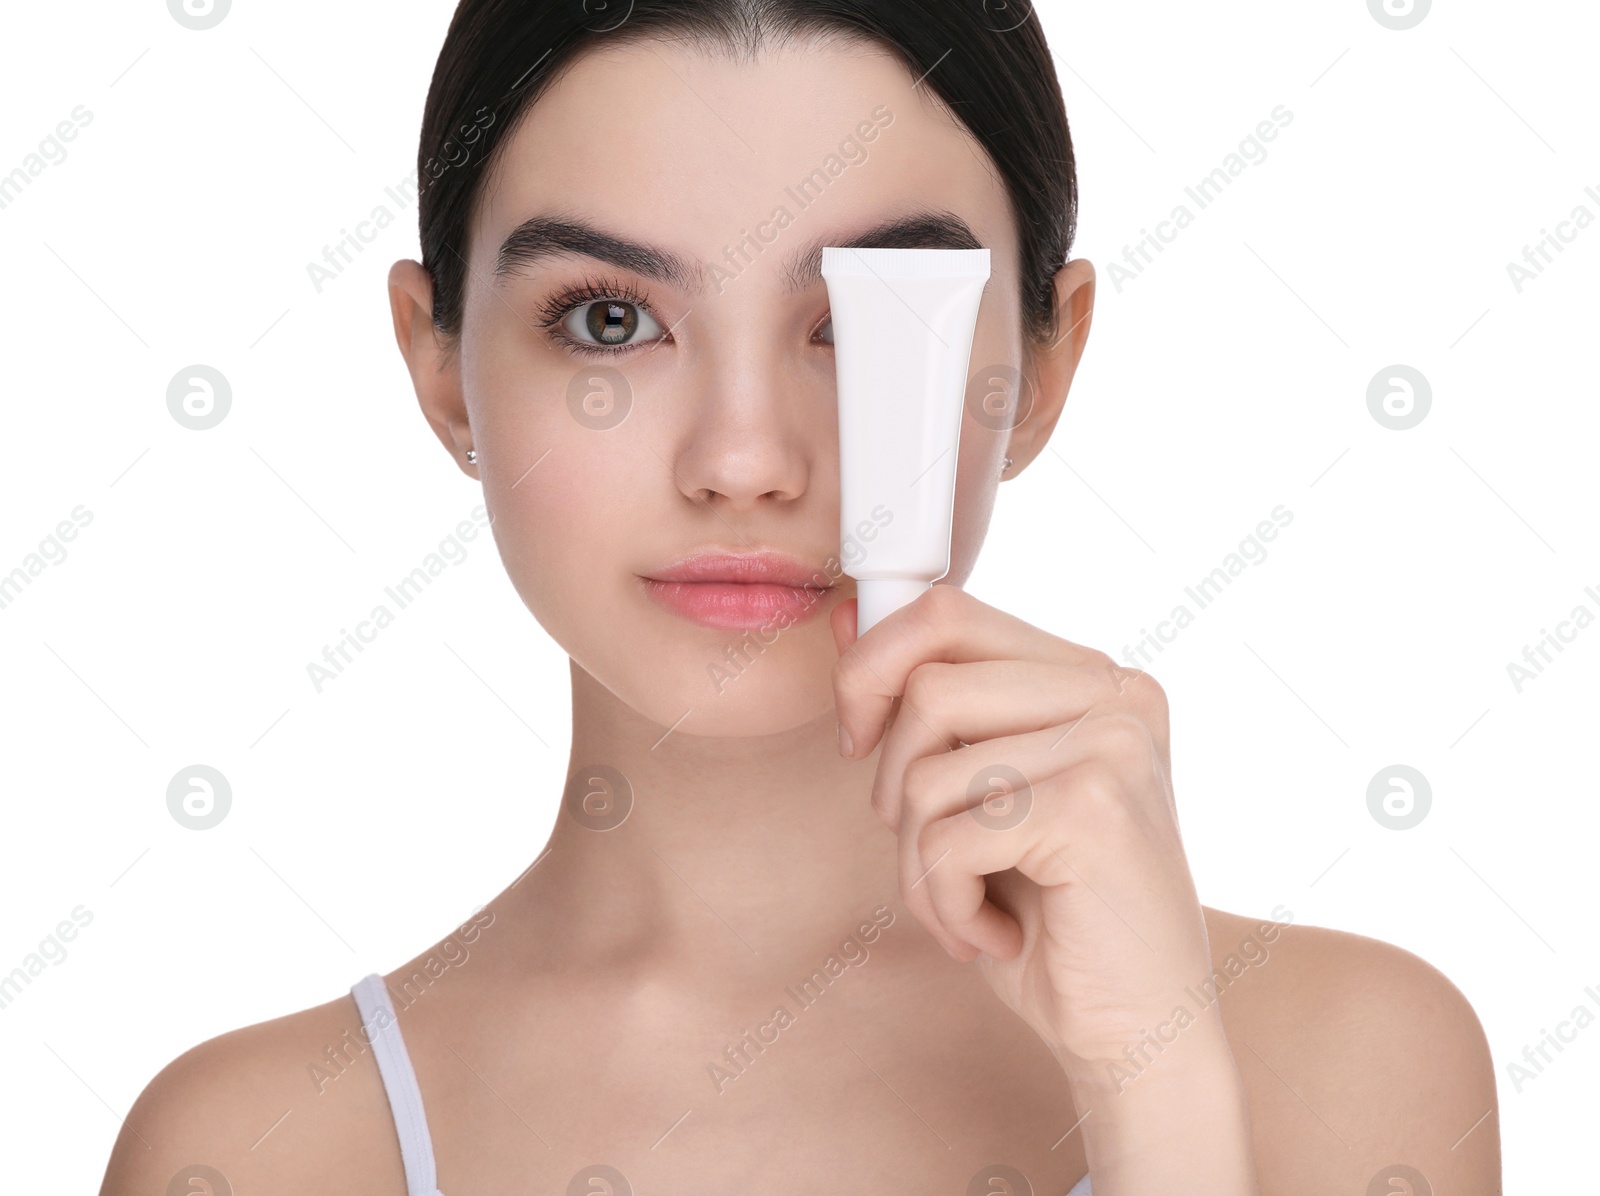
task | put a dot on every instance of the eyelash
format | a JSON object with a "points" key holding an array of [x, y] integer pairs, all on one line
{"points": [[559, 306], [591, 290]]}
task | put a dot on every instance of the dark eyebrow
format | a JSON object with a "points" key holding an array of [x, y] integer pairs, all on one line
{"points": [[919, 230], [542, 237]]}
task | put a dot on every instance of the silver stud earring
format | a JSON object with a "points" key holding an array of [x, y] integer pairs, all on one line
{"points": [[472, 456], [1005, 465]]}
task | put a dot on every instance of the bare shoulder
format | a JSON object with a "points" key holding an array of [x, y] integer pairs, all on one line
{"points": [[290, 1105], [1357, 1056]]}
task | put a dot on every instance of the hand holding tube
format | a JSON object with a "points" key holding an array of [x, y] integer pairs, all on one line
{"points": [[1029, 781]]}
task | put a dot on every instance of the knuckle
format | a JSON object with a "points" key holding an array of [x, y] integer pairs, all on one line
{"points": [[945, 596], [1142, 686], [1121, 737], [933, 840], [940, 603], [916, 784], [926, 685], [1096, 790], [847, 669]]}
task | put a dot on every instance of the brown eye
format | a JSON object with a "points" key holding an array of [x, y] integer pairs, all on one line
{"points": [[611, 321], [601, 318]]}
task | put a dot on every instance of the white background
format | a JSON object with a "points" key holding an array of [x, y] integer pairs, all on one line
{"points": [[1229, 376]]}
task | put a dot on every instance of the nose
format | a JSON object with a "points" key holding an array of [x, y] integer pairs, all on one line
{"points": [[751, 433]]}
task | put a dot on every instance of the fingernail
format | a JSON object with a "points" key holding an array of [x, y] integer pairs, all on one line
{"points": [[846, 745]]}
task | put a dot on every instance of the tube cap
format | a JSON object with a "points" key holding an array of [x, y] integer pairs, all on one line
{"points": [[879, 597]]}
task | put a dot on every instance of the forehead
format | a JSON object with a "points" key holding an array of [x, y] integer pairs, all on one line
{"points": [[689, 148]]}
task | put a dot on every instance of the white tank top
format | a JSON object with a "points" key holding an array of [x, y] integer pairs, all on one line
{"points": [[405, 1098]]}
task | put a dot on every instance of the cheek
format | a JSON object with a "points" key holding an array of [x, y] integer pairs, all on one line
{"points": [[991, 402], [570, 540], [562, 530], [974, 507], [572, 533]]}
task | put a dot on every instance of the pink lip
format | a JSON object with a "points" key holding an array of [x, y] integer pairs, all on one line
{"points": [[739, 590]]}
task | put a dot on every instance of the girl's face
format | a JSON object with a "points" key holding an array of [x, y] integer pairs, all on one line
{"points": [[646, 369]]}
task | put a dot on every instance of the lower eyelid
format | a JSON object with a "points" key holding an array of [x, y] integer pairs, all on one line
{"points": [[595, 349], [561, 323]]}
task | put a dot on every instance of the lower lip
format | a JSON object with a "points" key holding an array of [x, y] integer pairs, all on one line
{"points": [[737, 605]]}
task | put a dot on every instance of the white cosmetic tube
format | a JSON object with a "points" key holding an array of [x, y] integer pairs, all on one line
{"points": [[903, 321]]}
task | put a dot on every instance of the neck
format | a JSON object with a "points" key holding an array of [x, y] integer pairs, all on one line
{"points": [[686, 857]]}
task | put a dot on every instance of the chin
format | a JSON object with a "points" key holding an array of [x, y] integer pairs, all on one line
{"points": [[724, 684]]}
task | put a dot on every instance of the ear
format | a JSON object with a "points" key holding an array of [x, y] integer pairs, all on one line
{"points": [[433, 362], [1050, 367]]}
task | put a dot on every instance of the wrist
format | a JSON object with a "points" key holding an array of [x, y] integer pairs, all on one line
{"points": [[1177, 1051], [1168, 1119], [1194, 1071]]}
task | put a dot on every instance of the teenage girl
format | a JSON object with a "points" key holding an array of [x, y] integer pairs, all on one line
{"points": [[903, 913]]}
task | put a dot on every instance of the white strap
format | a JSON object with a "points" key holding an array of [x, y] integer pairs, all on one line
{"points": [[381, 1027], [1081, 1188]]}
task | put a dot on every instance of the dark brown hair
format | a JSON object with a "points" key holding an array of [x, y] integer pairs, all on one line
{"points": [[985, 59]]}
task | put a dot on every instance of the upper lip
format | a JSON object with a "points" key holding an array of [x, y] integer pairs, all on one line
{"points": [[719, 565]]}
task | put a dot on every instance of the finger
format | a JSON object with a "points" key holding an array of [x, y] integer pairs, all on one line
{"points": [[1090, 784], [916, 891], [963, 851], [1084, 839], [979, 780], [947, 705], [1087, 807], [842, 619], [947, 624]]}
